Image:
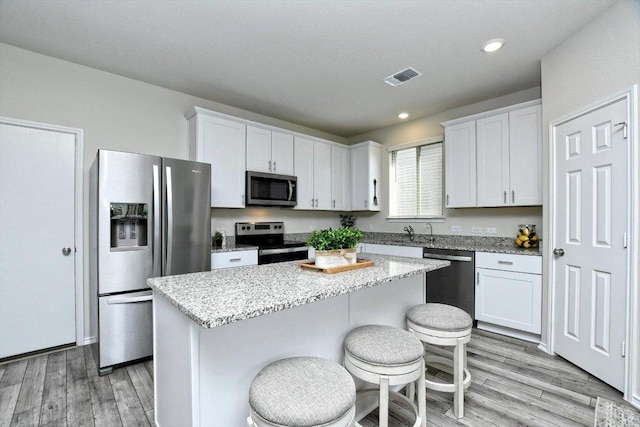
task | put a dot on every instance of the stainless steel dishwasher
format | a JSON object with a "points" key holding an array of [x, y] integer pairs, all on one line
{"points": [[454, 285]]}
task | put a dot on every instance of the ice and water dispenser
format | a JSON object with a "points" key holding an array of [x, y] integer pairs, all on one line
{"points": [[129, 226]]}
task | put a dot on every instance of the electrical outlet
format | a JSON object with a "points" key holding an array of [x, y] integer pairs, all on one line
{"points": [[490, 230], [369, 226], [476, 229], [456, 229], [312, 227]]}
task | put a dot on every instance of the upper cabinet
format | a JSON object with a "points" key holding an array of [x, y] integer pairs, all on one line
{"points": [[460, 165], [221, 143], [494, 158], [269, 151], [312, 166], [365, 176], [340, 178]]}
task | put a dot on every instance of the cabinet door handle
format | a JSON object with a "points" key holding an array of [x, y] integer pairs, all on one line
{"points": [[513, 196], [312, 203], [334, 204], [447, 200], [477, 278], [316, 203], [235, 259], [505, 197], [505, 262], [269, 164], [274, 165]]}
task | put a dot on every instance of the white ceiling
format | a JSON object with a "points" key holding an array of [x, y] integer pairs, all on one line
{"points": [[315, 63]]}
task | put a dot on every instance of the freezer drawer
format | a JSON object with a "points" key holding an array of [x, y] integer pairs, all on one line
{"points": [[126, 332]]}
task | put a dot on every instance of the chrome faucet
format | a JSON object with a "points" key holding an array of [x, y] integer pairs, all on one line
{"points": [[409, 229], [431, 238]]}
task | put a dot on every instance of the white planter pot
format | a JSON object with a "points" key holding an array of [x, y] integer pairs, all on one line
{"points": [[336, 258]]}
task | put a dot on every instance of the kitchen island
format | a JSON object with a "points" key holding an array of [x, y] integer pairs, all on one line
{"points": [[214, 331]]}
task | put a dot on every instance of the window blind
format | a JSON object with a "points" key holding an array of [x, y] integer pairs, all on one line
{"points": [[416, 189]]}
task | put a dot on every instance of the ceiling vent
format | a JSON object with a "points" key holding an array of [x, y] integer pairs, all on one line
{"points": [[402, 76]]}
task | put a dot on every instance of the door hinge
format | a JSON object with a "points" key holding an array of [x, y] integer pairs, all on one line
{"points": [[624, 128], [623, 350], [624, 240]]}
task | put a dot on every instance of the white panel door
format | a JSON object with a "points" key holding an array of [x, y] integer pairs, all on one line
{"points": [[224, 149], [340, 178], [322, 175], [259, 149], [492, 159], [590, 217], [282, 153], [460, 165], [303, 162], [360, 178], [525, 156], [37, 280]]}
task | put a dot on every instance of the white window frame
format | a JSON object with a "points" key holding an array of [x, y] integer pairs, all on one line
{"points": [[413, 218]]}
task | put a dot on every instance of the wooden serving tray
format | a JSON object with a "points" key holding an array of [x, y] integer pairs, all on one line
{"points": [[360, 263]]}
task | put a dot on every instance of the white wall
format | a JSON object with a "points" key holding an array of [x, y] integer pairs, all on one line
{"points": [[505, 220], [599, 61], [118, 113]]}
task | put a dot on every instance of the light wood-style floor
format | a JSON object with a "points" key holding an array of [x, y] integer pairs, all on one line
{"points": [[513, 384]]}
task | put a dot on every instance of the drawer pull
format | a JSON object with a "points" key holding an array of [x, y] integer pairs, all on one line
{"points": [[505, 262], [235, 259]]}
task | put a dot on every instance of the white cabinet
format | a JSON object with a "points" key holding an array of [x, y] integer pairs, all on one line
{"points": [[525, 160], [460, 165], [269, 151], [233, 259], [406, 251], [312, 166], [365, 176], [340, 178], [494, 158], [509, 292], [221, 143]]}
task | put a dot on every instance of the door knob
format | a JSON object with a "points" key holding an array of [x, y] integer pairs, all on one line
{"points": [[558, 251], [66, 251]]}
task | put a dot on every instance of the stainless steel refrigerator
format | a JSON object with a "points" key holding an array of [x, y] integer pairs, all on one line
{"points": [[149, 216]]}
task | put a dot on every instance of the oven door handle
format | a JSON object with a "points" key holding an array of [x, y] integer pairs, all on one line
{"points": [[282, 250], [447, 257]]}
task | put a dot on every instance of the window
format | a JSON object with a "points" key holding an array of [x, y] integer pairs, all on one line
{"points": [[415, 177]]}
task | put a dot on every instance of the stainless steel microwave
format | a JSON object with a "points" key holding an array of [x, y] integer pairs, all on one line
{"points": [[269, 189]]}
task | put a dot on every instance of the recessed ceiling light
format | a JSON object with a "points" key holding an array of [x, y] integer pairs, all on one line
{"points": [[492, 45], [403, 115]]}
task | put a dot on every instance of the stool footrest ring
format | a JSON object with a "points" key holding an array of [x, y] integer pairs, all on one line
{"points": [[393, 397], [446, 387]]}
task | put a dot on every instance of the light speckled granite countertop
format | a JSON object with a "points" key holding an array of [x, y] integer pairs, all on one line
{"points": [[503, 245], [218, 297]]}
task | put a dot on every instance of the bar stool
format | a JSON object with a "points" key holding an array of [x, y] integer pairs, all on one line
{"points": [[387, 356], [302, 392], [445, 325]]}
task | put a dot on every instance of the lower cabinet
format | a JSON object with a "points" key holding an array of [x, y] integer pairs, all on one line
{"points": [[509, 292], [233, 259]]}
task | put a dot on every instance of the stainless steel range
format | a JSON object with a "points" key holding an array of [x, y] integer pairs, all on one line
{"points": [[269, 237]]}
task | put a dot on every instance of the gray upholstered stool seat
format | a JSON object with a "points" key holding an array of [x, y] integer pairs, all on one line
{"points": [[387, 356], [302, 392], [444, 325], [440, 317]]}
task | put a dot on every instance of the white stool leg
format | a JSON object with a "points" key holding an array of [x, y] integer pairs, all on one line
{"points": [[422, 397], [383, 419], [458, 378]]}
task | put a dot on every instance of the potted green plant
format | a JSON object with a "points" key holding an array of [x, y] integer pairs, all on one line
{"points": [[335, 247], [217, 238]]}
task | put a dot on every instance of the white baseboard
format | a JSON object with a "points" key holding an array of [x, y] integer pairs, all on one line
{"points": [[89, 340], [527, 336]]}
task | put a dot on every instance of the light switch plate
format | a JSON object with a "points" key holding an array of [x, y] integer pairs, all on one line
{"points": [[490, 230], [456, 229], [476, 230]]}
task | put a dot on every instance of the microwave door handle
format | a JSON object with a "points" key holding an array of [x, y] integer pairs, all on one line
{"points": [[290, 190]]}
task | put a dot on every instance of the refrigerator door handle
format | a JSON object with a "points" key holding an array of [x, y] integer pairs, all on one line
{"points": [[124, 300], [157, 220], [169, 213]]}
